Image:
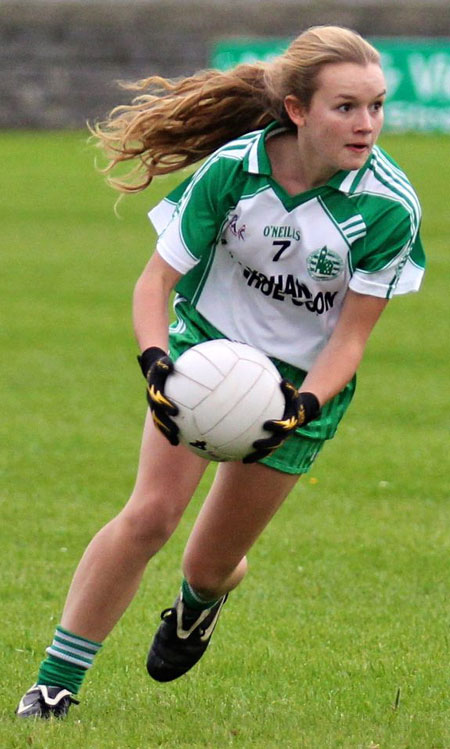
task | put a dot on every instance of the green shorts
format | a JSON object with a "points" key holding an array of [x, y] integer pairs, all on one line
{"points": [[298, 453]]}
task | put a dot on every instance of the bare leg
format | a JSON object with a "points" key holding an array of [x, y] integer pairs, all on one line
{"points": [[111, 568], [240, 503]]}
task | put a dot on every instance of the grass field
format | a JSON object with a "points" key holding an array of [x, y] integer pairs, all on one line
{"points": [[339, 636]]}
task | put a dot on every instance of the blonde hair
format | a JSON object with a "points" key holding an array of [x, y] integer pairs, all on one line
{"points": [[173, 124]]}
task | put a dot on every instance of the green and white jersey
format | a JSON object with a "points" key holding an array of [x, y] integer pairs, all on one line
{"points": [[272, 269]]}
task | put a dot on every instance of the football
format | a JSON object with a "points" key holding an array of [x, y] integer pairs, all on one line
{"points": [[224, 391]]}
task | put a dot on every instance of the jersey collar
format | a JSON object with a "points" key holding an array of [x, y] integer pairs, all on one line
{"points": [[346, 181], [257, 161]]}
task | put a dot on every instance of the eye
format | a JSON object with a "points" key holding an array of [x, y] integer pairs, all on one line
{"points": [[377, 105], [345, 107]]}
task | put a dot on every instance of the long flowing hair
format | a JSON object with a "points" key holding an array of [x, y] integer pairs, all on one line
{"points": [[171, 124]]}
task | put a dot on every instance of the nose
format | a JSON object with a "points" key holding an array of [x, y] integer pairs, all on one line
{"points": [[363, 122]]}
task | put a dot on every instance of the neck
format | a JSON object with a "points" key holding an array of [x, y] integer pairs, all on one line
{"points": [[290, 168]]}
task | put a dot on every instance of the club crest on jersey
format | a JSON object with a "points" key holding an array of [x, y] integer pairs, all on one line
{"points": [[324, 264]]}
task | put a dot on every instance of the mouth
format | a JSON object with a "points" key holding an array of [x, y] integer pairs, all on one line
{"points": [[358, 147]]}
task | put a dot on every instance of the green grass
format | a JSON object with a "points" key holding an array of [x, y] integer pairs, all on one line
{"points": [[347, 599]]}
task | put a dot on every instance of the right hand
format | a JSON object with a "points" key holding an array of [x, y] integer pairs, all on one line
{"points": [[156, 366], [280, 429], [299, 410]]}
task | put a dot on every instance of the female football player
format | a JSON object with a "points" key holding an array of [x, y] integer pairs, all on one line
{"points": [[291, 236]]}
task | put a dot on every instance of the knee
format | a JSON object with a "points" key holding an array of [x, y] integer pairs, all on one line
{"points": [[148, 525]]}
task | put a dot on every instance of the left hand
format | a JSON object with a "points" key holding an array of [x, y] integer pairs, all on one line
{"points": [[300, 409], [156, 366]]}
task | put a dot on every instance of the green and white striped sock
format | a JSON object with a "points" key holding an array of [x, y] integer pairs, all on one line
{"points": [[194, 600], [68, 659], [73, 648]]}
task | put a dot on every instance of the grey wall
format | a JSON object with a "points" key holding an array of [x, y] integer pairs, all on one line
{"points": [[59, 59]]}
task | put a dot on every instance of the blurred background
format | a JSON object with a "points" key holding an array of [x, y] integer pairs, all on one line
{"points": [[359, 556], [61, 59]]}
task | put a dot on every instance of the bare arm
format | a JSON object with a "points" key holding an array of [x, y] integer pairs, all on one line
{"points": [[151, 303], [339, 360]]}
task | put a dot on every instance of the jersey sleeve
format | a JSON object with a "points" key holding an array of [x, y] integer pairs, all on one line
{"points": [[190, 218], [390, 259]]}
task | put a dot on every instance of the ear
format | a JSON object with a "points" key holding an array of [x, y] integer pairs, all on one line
{"points": [[295, 109]]}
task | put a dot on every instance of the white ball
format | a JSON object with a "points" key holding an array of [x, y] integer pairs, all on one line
{"points": [[224, 391]]}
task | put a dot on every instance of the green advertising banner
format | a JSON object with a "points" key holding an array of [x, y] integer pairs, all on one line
{"points": [[417, 72]]}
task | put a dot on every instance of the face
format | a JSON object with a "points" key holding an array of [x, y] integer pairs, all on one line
{"points": [[342, 123]]}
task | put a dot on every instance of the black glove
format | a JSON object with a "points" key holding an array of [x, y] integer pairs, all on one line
{"points": [[300, 409], [156, 366]]}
